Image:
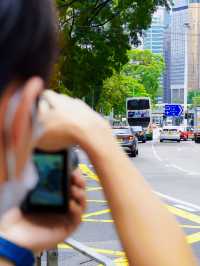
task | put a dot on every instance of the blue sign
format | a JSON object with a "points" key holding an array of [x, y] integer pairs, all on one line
{"points": [[173, 110]]}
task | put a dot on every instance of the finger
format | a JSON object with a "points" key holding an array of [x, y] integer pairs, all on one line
{"points": [[53, 98], [79, 196], [78, 179], [75, 212]]}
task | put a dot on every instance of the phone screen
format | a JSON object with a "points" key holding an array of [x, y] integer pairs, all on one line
{"points": [[50, 168]]}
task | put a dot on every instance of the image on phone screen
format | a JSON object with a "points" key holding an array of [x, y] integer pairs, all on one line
{"points": [[50, 172]]}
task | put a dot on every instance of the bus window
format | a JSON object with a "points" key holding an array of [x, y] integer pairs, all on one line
{"points": [[138, 111]]}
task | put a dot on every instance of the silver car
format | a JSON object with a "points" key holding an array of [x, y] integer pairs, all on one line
{"points": [[170, 133]]}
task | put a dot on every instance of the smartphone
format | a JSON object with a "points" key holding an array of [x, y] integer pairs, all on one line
{"points": [[51, 195]]}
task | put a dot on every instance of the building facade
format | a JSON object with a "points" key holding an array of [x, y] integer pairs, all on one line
{"points": [[193, 32], [153, 37], [167, 58], [185, 48], [154, 40], [179, 18]]}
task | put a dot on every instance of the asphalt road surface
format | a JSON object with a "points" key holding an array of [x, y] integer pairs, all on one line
{"points": [[172, 169]]}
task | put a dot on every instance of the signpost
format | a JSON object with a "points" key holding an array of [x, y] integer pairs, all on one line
{"points": [[175, 110]]}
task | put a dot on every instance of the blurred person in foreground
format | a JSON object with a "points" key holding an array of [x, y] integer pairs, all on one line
{"points": [[28, 46], [149, 234]]}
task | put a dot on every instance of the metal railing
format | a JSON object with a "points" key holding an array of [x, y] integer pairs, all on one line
{"points": [[53, 257]]}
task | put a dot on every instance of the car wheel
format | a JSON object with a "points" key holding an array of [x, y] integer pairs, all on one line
{"points": [[179, 140], [161, 140]]}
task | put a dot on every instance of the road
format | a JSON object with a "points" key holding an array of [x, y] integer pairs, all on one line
{"points": [[172, 169]]}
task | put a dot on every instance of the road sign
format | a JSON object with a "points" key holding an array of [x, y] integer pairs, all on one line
{"points": [[173, 110]]}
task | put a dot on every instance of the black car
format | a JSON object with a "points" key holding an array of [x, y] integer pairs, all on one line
{"points": [[140, 133], [126, 139]]}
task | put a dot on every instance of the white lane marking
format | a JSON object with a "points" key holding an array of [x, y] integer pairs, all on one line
{"points": [[155, 153], [194, 173], [178, 201], [188, 172], [185, 208], [179, 168]]}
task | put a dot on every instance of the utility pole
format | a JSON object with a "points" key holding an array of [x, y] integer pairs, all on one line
{"points": [[187, 26]]}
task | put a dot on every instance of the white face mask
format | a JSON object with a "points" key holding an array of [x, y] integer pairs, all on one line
{"points": [[13, 191]]}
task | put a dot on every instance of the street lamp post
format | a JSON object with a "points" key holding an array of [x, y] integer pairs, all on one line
{"points": [[187, 26]]}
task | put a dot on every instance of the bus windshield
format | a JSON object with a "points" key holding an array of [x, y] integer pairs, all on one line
{"points": [[138, 111], [141, 104]]}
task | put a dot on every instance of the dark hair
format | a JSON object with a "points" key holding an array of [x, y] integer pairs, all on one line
{"points": [[28, 39]]}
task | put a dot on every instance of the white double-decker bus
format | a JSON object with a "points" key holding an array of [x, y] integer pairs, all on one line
{"points": [[138, 111]]}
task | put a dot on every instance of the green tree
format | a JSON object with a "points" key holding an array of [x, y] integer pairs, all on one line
{"points": [[147, 68], [196, 101], [192, 94], [95, 35], [115, 91]]}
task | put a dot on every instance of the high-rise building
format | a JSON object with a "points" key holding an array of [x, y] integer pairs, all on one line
{"points": [[179, 20], [167, 58], [193, 33], [185, 48], [153, 37]]}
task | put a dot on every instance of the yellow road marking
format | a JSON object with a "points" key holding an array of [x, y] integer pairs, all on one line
{"points": [[88, 172], [63, 246], [97, 220], [96, 213], [184, 214], [88, 189], [193, 238], [121, 262], [97, 201], [190, 226], [98, 250]]}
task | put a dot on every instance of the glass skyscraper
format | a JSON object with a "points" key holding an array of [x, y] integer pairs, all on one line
{"points": [[185, 23], [154, 37]]}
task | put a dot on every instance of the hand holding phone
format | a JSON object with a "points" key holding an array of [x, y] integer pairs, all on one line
{"points": [[52, 191]]}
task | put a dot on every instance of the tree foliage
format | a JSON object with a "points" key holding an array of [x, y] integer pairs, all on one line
{"points": [[147, 68], [115, 91], [139, 77], [95, 36], [196, 101], [191, 95]]}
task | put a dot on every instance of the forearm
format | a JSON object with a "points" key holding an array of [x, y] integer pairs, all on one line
{"points": [[149, 233]]}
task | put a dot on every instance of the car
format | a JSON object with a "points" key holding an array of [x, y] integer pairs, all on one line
{"points": [[140, 133], [183, 134], [197, 135], [170, 133], [190, 131], [127, 140], [186, 133]]}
